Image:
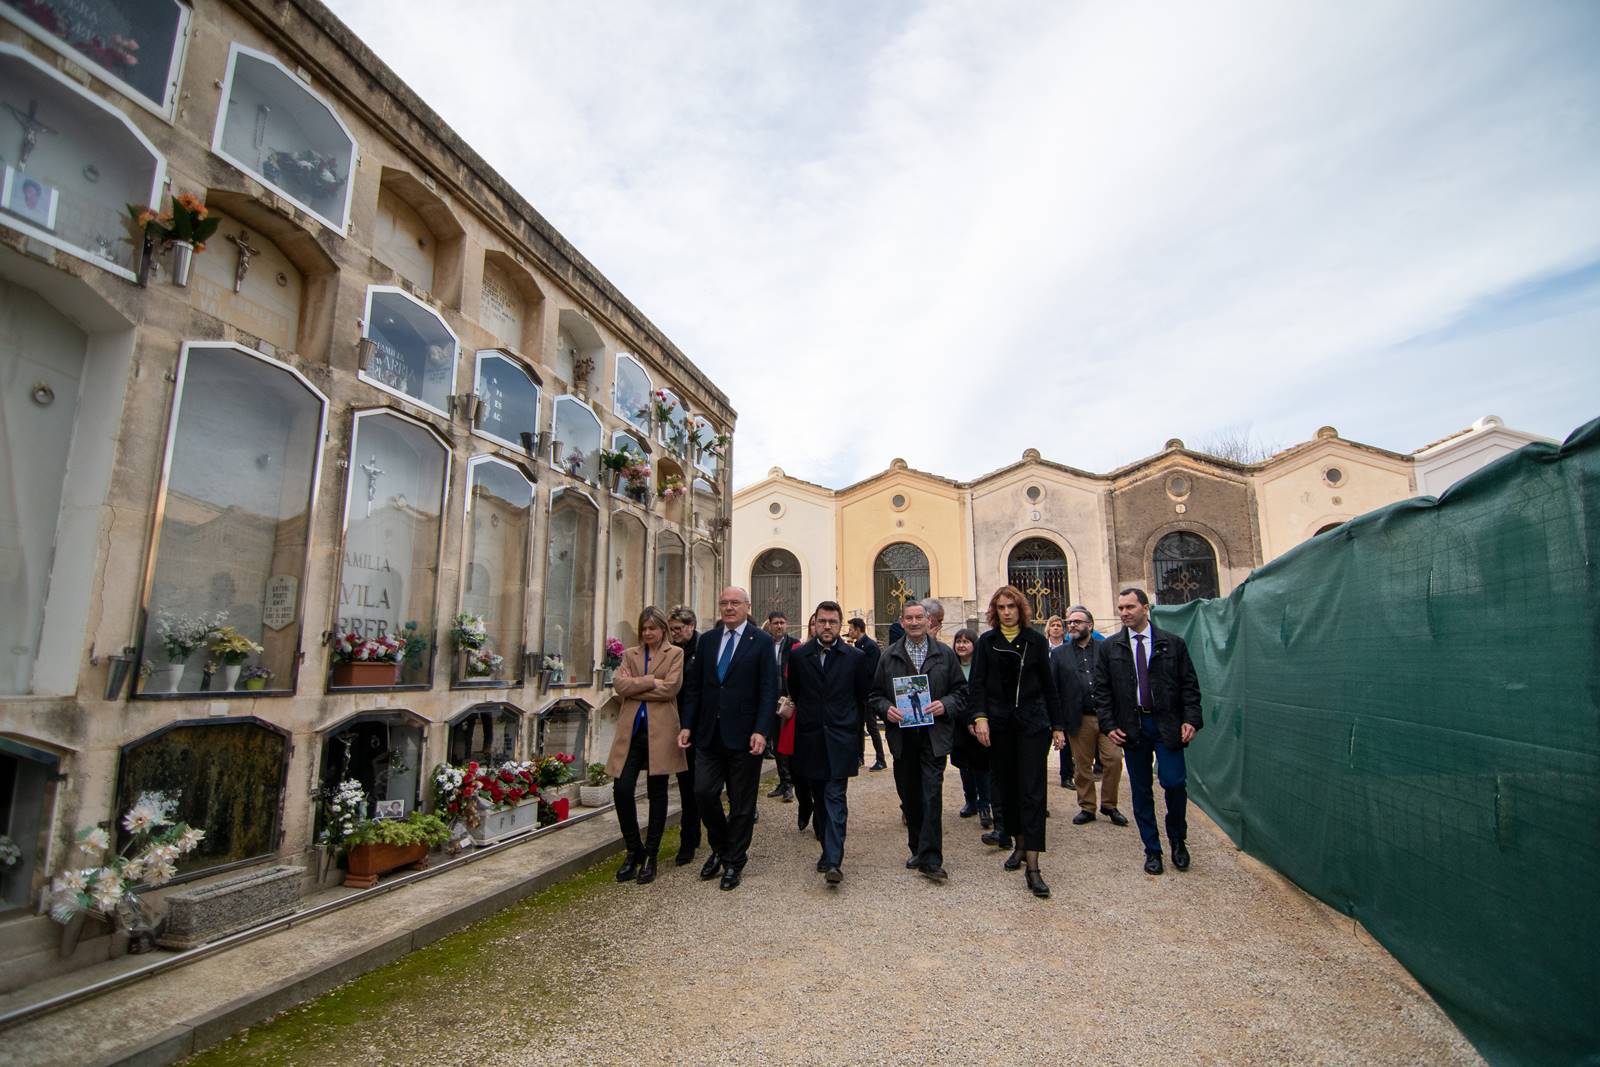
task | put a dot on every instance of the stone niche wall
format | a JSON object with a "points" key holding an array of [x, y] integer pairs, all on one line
{"points": [[1218, 508]]}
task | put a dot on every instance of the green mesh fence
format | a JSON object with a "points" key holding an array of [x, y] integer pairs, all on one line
{"points": [[1403, 716]]}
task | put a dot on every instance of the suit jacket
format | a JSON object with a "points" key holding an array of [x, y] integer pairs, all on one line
{"points": [[727, 712], [1174, 687], [829, 702], [946, 682], [658, 690], [1073, 669]]}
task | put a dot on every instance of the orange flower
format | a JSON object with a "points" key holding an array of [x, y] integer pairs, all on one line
{"points": [[200, 247], [190, 202], [146, 217]]}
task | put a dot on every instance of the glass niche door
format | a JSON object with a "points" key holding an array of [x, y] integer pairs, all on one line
{"points": [[494, 586], [243, 451], [388, 575], [569, 587]]}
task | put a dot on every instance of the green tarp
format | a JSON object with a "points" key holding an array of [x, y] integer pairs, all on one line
{"points": [[1403, 716]]}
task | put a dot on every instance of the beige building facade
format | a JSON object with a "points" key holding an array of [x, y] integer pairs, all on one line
{"points": [[1181, 524], [378, 397]]}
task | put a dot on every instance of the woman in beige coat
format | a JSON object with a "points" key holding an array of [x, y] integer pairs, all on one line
{"points": [[646, 739]]}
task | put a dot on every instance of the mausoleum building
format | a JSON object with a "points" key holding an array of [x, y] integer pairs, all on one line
{"points": [[375, 398]]}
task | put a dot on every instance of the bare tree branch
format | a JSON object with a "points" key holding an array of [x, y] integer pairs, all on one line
{"points": [[1238, 445]]}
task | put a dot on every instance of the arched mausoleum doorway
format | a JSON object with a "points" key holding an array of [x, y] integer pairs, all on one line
{"points": [[899, 574], [1038, 567], [1185, 568], [775, 584]]}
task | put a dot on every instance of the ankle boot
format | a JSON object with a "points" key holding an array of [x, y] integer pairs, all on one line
{"points": [[630, 867], [647, 869]]}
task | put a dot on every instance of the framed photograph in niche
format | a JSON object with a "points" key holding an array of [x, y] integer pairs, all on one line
{"points": [[274, 126], [28, 198], [73, 165], [136, 46]]}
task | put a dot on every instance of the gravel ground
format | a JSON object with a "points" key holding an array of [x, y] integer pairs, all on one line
{"points": [[1226, 964]]}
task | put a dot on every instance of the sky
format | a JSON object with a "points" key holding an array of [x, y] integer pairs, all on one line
{"points": [[951, 231]]}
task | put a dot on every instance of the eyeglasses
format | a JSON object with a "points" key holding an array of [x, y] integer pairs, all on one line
{"points": [[729, 603]]}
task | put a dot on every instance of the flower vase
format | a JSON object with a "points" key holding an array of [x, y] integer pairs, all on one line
{"points": [[255, 685], [364, 675], [182, 262], [227, 677], [71, 931], [163, 679], [606, 674]]}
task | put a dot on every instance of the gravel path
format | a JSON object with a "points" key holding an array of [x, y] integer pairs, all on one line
{"points": [[1225, 964]]}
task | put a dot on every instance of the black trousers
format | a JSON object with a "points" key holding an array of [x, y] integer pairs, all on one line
{"points": [[785, 779], [869, 723], [919, 779], [1017, 763], [739, 772], [622, 795], [689, 818]]}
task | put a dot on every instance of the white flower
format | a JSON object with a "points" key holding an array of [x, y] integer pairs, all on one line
{"points": [[161, 872], [134, 869], [107, 901], [94, 841], [70, 882], [137, 821], [190, 838], [106, 879], [9, 852]]}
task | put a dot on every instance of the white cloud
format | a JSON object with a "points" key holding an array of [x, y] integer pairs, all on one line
{"points": [[956, 230]]}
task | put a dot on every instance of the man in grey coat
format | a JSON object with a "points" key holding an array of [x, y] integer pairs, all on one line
{"points": [[920, 752]]}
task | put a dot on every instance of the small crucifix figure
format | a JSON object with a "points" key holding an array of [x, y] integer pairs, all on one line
{"points": [[31, 129], [371, 469], [1038, 590], [246, 250]]}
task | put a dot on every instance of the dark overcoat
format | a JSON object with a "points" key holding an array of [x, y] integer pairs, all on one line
{"points": [[829, 699], [1174, 686]]}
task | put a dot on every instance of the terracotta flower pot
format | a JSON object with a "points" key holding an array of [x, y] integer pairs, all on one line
{"points": [[354, 674], [367, 862]]}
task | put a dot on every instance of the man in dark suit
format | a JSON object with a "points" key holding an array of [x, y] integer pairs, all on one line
{"points": [[920, 752], [827, 683], [873, 652], [1147, 697], [681, 623], [778, 626], [730, 711]]}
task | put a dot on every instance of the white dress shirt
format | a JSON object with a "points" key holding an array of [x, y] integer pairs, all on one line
{"points": [[730, 635], [1149, 651]]}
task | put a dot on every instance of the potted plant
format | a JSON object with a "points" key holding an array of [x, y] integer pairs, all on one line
{"points": [[493, 802], [468, 634], [595, 792], [551, 671], [672, 487], [613, 660], [482, 664], [254, 679], [366, 661], [230, 648], [636, 482], [185, 229], [553, 773], [181, 635], [573, 463], [106, 889], [582, 368], [615, 462], [377, 846]]}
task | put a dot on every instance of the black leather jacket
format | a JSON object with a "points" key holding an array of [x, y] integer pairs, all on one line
{"points": [[1011, 682]]}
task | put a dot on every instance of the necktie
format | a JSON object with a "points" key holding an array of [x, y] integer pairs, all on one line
{"points": [[726, 657], [1141, 668]]}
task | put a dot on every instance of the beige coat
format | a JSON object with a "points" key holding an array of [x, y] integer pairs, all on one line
{"points": [[659, 691]]}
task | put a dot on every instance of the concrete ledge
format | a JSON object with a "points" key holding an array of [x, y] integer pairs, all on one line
{"points": [[175, 1014]]}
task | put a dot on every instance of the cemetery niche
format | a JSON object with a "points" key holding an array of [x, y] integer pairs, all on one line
{"points": [[495, 577], [71, 166], [408, 350], [274, 127], [26, 777], [630, 393], [564, 728], [634, 486], [628, 571], [380, 750], [227, 777], [508, 401], [487, 733], [136, 45], [223, 609], [384, 632], [569, 587], [575, 440], [670, 573], [703, 580]]}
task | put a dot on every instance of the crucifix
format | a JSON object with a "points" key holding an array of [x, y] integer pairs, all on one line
{"points": [[246, 250], [31, 129], [901, 592], [371, 469], [1038, 590]]}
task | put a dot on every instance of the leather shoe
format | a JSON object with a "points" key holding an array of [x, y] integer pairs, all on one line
{"points": [[997, 839], [822, 865], [911, 864], [803, 816], [986, 818], [788, 796], [1116, 817], [647, 870], [1180, 856], [1066, 783], [1152, 863], [1082, 817], [730, 878], [879, 766], [777, 791], [629, 869], [833, 876], [936, 874], [712, 868], [684, 857], [1014, 860], [1037, 885], [968, 811]]}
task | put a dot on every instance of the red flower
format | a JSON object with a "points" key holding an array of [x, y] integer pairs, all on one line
{"points": [[455, 806]]}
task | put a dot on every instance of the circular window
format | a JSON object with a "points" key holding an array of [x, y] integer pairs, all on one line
{"points": [[897, 501], [1333, 476], [774, 509], [1178, 486], [1034, 492]]}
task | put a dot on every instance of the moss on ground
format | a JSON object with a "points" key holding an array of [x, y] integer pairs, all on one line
{"points": [[422, 981]]}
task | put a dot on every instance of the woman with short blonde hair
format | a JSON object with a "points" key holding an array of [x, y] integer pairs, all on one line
{"points": [[646, 739]]}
